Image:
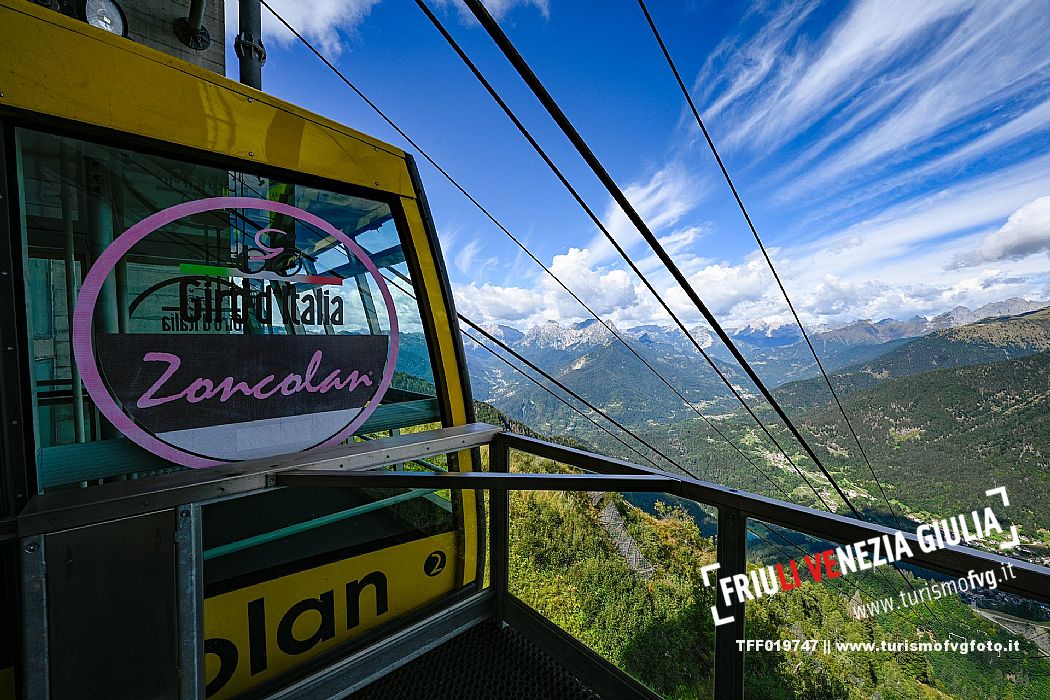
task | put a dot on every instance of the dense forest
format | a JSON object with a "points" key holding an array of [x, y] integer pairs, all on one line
{"points": [[936, 440]]}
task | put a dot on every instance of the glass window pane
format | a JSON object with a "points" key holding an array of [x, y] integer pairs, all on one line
{"points": [[223, 315]]}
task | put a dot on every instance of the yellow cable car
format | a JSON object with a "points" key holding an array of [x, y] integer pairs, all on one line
{"points": [[204, 275]]}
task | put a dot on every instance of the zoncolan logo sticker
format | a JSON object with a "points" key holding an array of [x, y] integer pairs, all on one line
{"points": [[253, 634], [206, 392]]}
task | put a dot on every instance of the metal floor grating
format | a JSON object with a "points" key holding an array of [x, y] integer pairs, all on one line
{"points": [[483, 663]]}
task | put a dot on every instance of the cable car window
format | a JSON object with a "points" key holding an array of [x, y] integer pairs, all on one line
{"points": [[182, 315]]}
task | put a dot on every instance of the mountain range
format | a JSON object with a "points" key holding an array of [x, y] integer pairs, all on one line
{"points": [[587, 355], [985, 341], [945, 407]]}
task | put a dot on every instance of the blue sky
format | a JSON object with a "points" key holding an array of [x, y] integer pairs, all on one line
{"points": [[895, 156]]}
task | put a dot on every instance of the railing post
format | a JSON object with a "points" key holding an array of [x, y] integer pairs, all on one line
{"points": [[189, 599], [731, 548], [499, 527], [35, 658]]}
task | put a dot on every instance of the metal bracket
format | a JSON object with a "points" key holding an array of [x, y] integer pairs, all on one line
{"points": [[249, 45], [197, 38]]}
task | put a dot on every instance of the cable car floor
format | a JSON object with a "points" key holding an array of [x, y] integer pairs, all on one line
{"points": [[483, 663]]}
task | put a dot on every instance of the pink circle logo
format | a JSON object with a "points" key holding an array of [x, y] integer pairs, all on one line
{"points": [[202, 399]]}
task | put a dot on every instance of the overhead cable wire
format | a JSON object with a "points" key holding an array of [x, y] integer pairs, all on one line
{"points": [[520, 358], [575, 194], [623, 254], [529, 77], [559, 398], [762, 247], [776, 276], [499, 225]]}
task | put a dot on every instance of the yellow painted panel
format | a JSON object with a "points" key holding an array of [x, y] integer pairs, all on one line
{"points": [[7, 683], [54, 65], [255, 633], [450, 370], [431, 285]]}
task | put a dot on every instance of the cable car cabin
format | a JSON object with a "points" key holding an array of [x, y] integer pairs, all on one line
{"points": [[195, 275]]}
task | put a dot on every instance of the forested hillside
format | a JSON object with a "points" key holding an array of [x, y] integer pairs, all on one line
{"points": [[990, 340], [940, 439], [658, 627]]}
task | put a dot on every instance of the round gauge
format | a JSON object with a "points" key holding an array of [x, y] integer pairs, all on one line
{"points": [[104, 14]]}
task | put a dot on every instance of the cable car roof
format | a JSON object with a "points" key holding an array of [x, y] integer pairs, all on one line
{"points": [[214, 114]]}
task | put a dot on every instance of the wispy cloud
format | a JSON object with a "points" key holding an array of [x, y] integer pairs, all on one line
{"points": [[661, 199], [497, 8], [821, 75], [750, 62], [468, 259], [989, 57]]}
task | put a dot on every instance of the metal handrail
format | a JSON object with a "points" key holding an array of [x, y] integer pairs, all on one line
{"points": [[735, 507], [1032, 581]]}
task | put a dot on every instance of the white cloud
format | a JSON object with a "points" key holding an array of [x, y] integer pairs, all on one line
{"points": [[722, 287], [604, 290], [1026, 232], [876, 269], [834, 296], [323, 21], [490, 303]]}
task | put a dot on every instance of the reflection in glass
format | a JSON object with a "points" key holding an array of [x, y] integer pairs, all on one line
{"points": [[225, 272]]}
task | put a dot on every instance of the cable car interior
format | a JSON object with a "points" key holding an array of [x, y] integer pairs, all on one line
{"points": [[240, 456]]}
